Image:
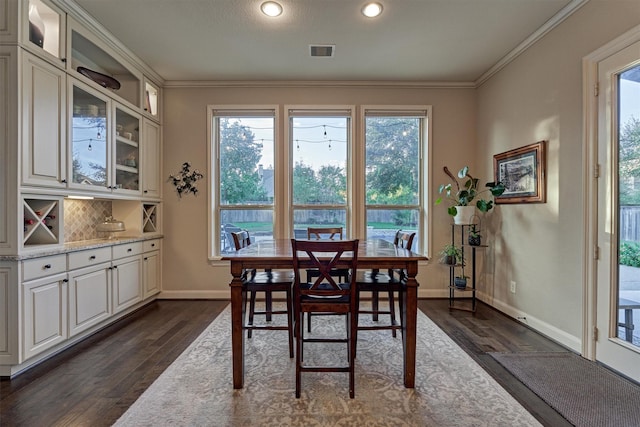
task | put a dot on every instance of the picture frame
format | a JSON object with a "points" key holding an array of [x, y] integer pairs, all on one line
{"points": [[522, 171]]}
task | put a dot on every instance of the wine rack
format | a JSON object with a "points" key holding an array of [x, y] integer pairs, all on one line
{"points": [[42, 222]]}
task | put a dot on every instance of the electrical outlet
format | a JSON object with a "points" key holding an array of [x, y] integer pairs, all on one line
{"points": [[513, 287]]}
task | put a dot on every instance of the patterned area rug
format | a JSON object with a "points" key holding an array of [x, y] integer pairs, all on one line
{"points": [[451, 389], [585, 393]]}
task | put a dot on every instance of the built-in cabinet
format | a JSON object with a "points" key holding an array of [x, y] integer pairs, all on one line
{"points": [[89, 288], [44, 100], [66, 296], [69, 130], [44, 296]]}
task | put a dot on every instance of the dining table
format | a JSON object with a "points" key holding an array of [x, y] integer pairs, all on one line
{"points": [[277, 254]]}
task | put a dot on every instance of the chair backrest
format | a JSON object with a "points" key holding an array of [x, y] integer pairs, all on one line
{"points": [[324, 256], [321, 233], [404, 239], [241, 239]]}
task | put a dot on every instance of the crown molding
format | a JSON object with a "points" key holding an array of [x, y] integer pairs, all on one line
{"points": [[317, 83], [552, 23], [84, 18]]}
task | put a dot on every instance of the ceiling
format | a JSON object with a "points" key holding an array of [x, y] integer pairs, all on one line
{"points": [[412, 40]]}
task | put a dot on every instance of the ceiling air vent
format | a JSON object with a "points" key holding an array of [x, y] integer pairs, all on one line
{"points": [[322, 50]]}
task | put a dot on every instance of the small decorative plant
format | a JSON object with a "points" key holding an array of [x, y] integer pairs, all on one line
{"points": [[450, 254], [185, 180], [475, 238], [469, 192], [460, 281]]}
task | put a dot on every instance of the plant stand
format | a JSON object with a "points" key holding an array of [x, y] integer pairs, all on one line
{"points": [[463, 298]]}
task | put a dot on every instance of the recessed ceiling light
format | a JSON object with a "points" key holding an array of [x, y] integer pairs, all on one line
{"points": [[371, 10], [271, 8]]}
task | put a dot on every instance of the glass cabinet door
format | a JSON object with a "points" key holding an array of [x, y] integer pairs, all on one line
{"points": [[89, 140], [45, 29], [127, 150]]}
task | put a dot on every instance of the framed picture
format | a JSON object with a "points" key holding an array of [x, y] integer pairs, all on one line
{"points": [[522, 171]]}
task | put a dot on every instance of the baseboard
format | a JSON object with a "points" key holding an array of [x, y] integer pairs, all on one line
{"points": [[205, 294], [561, 337]]}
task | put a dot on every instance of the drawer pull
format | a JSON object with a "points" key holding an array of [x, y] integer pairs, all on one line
{"points": [[65, 280], [47, 266], [153, 245], [129, 250], [92, 257]]}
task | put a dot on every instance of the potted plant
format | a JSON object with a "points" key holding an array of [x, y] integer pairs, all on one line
{"points": [[450, 254], [475, 238], [462, 198], [460, 281]]}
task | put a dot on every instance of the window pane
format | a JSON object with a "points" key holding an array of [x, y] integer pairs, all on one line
{"points": [[392, 160], [259, 223], [319, 160], [383, 224], [246, 160], [303, 218]]}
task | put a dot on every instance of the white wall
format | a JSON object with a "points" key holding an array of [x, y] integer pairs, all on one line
{"points": [[186, 270], [539, 97]]}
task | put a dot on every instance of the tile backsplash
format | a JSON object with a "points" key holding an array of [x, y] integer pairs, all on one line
{"points": [[81, 218]]}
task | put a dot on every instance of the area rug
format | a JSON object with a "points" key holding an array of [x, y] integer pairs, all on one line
{"points": [[585, 393], [451, 389]]}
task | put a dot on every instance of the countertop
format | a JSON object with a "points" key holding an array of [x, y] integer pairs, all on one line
{"points": [[76, 246]]}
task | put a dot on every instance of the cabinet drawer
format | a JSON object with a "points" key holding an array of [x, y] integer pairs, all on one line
{"points": [[151, 245], [89, 257], [129, 249], [45, 266]]}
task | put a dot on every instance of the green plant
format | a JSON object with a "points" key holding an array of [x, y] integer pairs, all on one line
{"points": [[629, 254], [468, 192], [450, 254]]}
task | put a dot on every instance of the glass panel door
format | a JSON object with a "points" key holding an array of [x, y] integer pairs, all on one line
{"points": [[618, 277], [89, 139], [127, 151]]}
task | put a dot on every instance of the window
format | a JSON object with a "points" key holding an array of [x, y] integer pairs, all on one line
{"points": [[393, 165], [243, 165], [319, 141], [313, 172]]}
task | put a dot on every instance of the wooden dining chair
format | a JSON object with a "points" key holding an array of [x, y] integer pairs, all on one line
{"points": [[325, 295], [267, 282], [392, 281], [324, 233]]}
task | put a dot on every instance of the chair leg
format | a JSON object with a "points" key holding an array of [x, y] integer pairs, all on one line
{"points": [[268, 305], [290, 315], [299, 332], [309, 322], [374, 306], [392, 312], [252, 309], [352, 332]]}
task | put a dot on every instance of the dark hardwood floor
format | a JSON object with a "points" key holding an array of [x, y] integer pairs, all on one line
{"points": [[95, 381]]}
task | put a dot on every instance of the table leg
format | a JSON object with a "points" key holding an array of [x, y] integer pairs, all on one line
{"points": [[410, 318], [237, 319]]}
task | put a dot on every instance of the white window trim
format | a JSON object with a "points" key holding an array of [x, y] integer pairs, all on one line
{"points": [[426, 193], [319, 110], [213, 198]]}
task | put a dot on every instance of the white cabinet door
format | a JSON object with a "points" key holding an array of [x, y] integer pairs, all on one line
{"points": [[43, 123], [127, 282], [151, 159], [151, 273], [44, 319], [89, 297]]}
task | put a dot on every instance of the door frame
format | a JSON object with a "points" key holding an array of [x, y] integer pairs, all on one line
{"points": [[591, 172]]}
